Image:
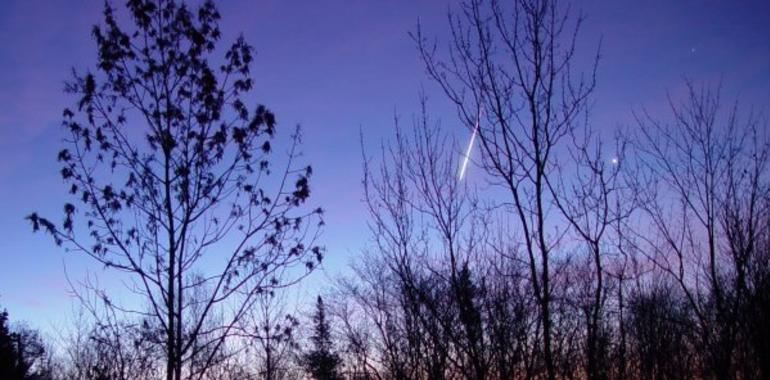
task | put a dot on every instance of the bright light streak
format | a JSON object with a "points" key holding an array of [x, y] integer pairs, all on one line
{"points": [[467, 157]]}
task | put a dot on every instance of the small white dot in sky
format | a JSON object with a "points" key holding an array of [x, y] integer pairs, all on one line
{"points": [[614, 160]]}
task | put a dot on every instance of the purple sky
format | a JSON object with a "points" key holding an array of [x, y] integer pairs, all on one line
{"points": [[333, 67]]}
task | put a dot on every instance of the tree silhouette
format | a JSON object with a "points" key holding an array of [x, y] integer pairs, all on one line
{"points": [[706, 168], [21, 353], [322, 362], [169, 165], [659, 324], [509, 69]]}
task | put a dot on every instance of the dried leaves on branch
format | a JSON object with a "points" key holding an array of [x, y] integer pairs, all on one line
{"points": [[170, 166]]}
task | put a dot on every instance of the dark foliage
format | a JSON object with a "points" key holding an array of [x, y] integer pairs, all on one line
{"points": [[21, 353], [322, 362]]}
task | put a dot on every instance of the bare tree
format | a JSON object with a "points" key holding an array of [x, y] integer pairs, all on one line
{"points": [[660, 331], [171, 168], [515, 65], [706, 182], [269, 332], [589, 200], [106, 349]]}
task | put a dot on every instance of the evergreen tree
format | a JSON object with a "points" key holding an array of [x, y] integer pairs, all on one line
{"points": [[19, 352], [322, 362]]}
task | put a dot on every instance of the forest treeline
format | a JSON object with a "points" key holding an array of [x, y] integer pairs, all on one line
{"points": [[568, 251]]}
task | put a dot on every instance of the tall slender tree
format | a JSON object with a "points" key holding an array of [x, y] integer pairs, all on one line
{"points": [[322, 362], [171, 166], [516, 62]]}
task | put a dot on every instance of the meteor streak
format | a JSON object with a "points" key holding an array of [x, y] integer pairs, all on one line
{"points": [[467, 156]]}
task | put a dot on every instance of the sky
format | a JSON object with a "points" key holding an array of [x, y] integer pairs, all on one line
{"points": [[337, 68]]}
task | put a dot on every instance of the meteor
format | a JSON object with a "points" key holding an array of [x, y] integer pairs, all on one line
{"points": [[467, 156]]}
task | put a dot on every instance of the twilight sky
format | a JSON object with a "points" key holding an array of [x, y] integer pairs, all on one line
{"points": [[336, 68]]}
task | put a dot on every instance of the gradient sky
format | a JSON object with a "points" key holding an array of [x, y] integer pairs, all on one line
{"points": [[335, 68]]}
